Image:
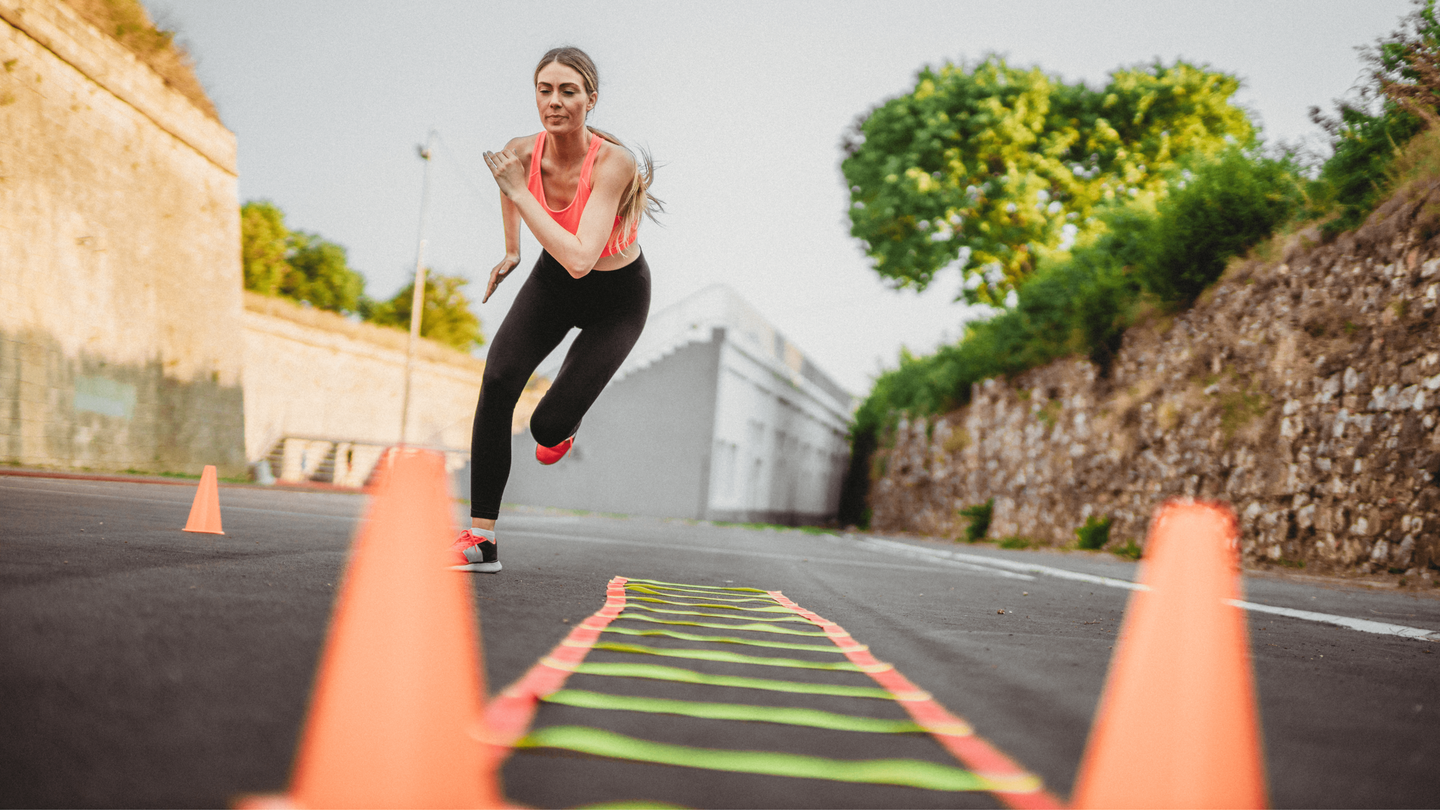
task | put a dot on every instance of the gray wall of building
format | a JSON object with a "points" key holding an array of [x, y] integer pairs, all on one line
{"points": [[643, 449]]}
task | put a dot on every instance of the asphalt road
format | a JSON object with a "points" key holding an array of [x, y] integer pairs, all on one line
{"points": [[144, 666]]}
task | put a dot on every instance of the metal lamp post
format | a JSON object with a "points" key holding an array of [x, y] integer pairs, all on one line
{"points": [[417, 302]]}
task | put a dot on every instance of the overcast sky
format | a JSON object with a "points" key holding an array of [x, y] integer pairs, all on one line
{"points": [[742, 104]]}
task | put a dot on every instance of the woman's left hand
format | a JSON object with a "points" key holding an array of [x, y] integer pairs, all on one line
{"points": [[509, 172]]}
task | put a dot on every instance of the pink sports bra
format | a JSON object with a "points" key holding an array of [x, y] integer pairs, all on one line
{"points": [[569, 216]]}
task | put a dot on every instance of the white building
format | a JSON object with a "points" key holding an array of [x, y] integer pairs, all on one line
{"points": [[714, 416]]}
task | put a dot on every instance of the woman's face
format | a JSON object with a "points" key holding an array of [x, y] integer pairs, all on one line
{"points": [[561, 98]]}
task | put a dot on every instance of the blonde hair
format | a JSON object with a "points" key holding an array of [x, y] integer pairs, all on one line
{"points": [[637, 200]]}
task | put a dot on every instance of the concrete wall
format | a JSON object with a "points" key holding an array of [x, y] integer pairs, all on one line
{"points": [[120, 273], [315, 374], [323, 394], [779, 443], [642, 449]]}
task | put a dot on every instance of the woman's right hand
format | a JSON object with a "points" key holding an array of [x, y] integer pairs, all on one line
{"points": [[510, 262]]}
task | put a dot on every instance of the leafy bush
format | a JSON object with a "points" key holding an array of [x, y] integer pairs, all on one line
{"points": [[1223, 208], [1369, 129], [979, 516], [1094, 534], [1351, 182]]}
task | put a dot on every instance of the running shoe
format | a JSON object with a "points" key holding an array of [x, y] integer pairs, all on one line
{"points": [[550, 455], [472, 552]]}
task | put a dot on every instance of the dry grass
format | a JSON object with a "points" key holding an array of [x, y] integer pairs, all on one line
{"points": [[1418, 161], [130, 25], [958, 440]]}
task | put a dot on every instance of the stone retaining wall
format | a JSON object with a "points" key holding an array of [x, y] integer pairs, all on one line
{"points": [[119, 258], [1305, 391]]}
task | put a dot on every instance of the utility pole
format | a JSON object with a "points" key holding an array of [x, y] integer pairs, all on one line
{"points": [[417, 302]]}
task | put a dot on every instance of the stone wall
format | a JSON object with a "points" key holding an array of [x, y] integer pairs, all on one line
{"points": [[315, 375], [1304, 390], [120, 270]]}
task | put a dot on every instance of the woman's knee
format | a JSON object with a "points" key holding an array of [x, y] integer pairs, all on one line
{"points": [[547, 426], [499, 389]]}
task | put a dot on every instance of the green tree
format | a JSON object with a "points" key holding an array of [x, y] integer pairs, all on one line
{"points": [[320, 274], [297, 265], [984, 166], [446, 317], [264, 244]]}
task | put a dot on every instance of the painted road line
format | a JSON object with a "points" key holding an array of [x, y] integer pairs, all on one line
{"points": [[970, 561], [1009, 565], [904, 772], [1363, 625], [1023, 789], [766, 555]]}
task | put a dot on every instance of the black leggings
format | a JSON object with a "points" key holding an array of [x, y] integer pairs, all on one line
{"points": [[609, 307]]}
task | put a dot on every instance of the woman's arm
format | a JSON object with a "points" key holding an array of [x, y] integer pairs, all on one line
{"points": [[511, 218], [577, 252]]}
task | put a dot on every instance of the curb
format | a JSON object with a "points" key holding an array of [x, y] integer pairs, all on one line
{"points": [[293, 486]]}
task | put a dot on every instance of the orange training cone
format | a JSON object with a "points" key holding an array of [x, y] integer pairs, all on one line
{"points": [[205, 511], [399, 691], [1177, 725]]}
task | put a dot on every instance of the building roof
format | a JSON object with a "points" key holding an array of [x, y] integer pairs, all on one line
{"points": [[693, 320]]}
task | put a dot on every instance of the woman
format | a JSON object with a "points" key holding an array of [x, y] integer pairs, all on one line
{"points": [[581, 194]]}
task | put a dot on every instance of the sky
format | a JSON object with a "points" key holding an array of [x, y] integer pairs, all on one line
{"points": [[742, 104]]}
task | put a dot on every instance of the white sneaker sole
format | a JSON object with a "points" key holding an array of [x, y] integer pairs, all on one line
{"points": [[479, 568]]}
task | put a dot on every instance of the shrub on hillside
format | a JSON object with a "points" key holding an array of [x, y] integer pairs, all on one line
{"points": [[1094, 534], [1368, 130], [1224, 207], [1080, 304], [979, 517]]}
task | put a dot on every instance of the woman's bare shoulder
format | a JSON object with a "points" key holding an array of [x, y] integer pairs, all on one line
{"points": [[523, 146], [614, 161]]}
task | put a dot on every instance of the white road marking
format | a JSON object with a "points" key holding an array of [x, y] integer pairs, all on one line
{"points": [[1362, 625], [512, 519], [976, 563], [812, 559], [970, 561]]}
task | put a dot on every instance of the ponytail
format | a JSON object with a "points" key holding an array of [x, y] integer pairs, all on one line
{"points": [[637, 200]]}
